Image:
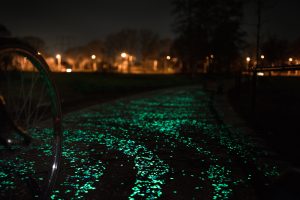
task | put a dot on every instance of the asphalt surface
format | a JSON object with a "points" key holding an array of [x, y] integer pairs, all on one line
{"points": [[180, 143]]}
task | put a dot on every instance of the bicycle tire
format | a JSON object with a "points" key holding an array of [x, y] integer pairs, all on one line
{"points": [[14, 46]]}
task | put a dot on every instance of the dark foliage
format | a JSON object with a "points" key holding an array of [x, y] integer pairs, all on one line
{"points": [[208, 27]]}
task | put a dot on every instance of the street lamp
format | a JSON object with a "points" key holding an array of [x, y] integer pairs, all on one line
{"points": [[123, 55], [58, 57], [248, 59], [129, 60], [166, 63], [93, 57], [262, 59]]}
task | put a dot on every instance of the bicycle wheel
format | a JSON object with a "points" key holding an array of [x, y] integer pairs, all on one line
{"points": [[31, 104]]}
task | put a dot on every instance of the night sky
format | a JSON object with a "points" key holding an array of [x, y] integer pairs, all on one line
{"points": [[82, 21], [279, 18]]}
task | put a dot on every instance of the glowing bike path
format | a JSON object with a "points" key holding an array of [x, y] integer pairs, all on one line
{"points": [[166, 144]]}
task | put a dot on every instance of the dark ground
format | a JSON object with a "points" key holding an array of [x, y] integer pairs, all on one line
{"points": [[276, 114], [78, 90]]}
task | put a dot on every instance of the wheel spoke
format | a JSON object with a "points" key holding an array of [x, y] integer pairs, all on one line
{"points": [[30, 100]]}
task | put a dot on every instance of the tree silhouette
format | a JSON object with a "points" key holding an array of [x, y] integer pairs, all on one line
{"points": [[125, 40], [294, 48], [208, 27], [275, 51], [149, 44], [144, 43], [82, 54], [36, 42]]}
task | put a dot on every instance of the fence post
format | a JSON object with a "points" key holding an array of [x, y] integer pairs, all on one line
{"points": [[253, 98]]}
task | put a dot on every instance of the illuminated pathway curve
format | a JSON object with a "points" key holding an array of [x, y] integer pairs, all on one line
{"points": [[166, 144]]}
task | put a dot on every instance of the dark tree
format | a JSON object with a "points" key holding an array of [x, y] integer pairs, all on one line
{"points": [[191, 44], [226, 36], [125, 40], [294, 48], [94, 47], [149, 44], [35, 42], [208, 27], [275, 51], [81, 53], [144, 44], [165, 47]]}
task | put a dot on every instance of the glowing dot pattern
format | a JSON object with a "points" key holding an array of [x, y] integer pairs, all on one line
{"points": [[169, 136]]}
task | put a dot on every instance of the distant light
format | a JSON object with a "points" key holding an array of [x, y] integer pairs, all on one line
{"points": [[68, 70], [123, 55], [260, 74], [58, 56], [9, 141], [248, 59], [39, 53], [174, 59], [212, 56], [291, 59], [93, 57], [262, 56], [168, 57]]}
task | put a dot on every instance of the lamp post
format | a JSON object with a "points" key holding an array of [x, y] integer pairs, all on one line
{"points": [[167, 63], [58, 57], [127, 58], [290, 63], [262, 59], [93, 57], [248, 59]]}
